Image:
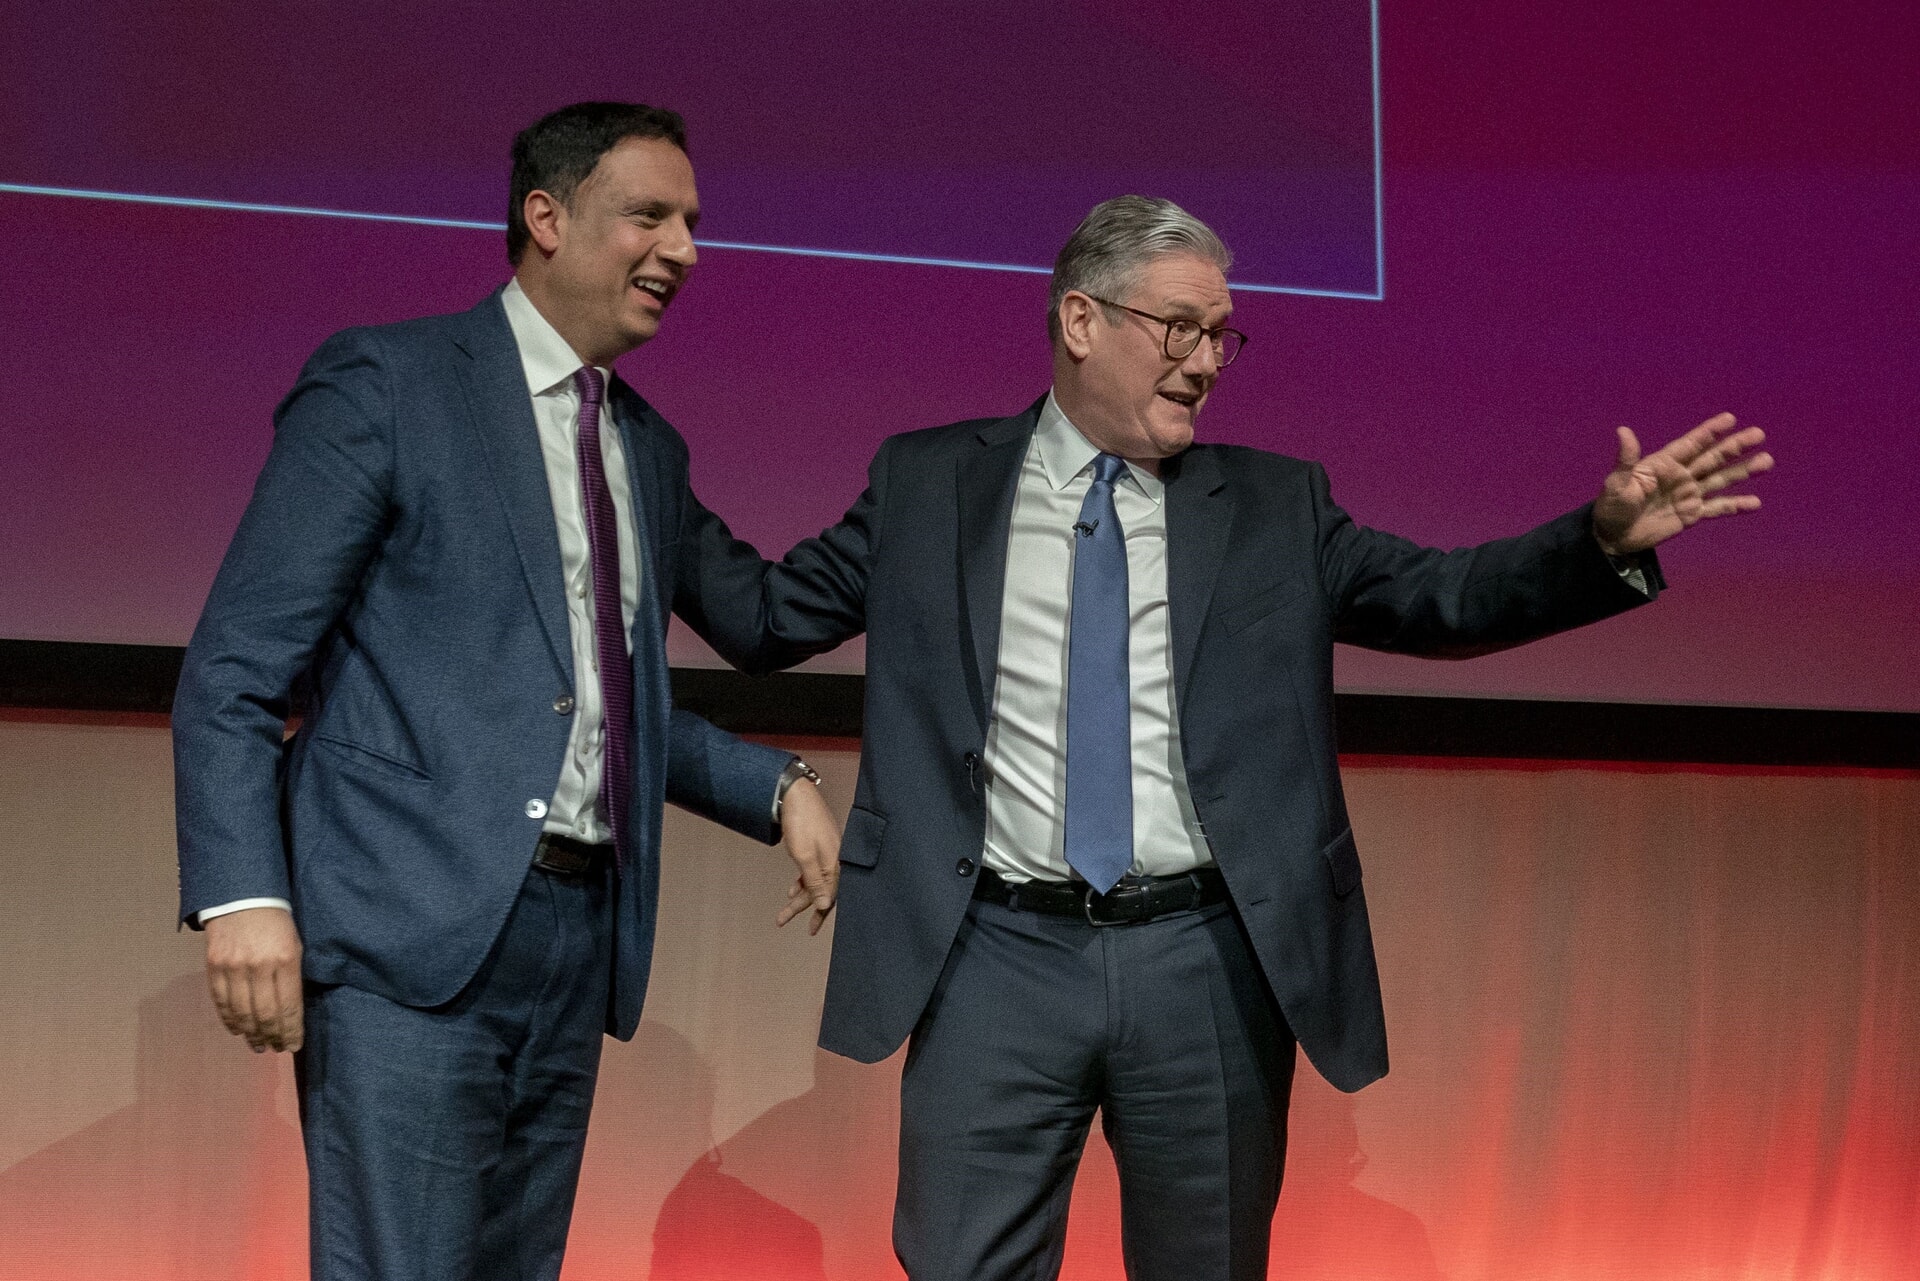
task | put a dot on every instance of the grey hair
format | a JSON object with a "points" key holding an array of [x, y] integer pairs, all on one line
{"points": [[1106, 252]]}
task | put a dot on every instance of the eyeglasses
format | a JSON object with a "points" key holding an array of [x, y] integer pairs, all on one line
{"points": [[1183, 336]]}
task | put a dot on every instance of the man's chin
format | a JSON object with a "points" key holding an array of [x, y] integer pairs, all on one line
{"points": [[1170, 438], [640, 329]]}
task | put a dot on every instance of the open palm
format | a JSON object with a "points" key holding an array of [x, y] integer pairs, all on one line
{"points": [[1647, 500]]}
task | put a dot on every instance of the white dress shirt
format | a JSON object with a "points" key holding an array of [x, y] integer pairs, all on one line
{"points": [[1026, 751], [549, 364]]}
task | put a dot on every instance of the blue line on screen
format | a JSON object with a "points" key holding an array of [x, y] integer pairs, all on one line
{"points": [[307, 211], [1379, 199], [242, 206]]}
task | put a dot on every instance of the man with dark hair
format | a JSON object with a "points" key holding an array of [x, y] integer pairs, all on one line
{"points": [[1098, 859], [559, 151], [440, 890]]}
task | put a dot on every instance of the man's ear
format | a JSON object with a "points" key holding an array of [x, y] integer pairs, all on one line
{"points": [[1076, 324], [546, 220]]}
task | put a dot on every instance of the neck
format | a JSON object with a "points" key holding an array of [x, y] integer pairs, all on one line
{"points": [[551, 305], [1086, 418]]}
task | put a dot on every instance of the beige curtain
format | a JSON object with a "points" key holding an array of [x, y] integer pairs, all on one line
{"points": [[1645, 1023]]}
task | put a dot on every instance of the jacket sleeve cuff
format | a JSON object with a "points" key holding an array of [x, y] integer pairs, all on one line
{"points": [[198, 920]]}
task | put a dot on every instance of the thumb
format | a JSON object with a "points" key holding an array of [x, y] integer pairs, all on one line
{"points": [[1629, 449]]}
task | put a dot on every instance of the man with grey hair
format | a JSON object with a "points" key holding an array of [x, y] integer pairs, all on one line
{"points": [[1099, 857]]}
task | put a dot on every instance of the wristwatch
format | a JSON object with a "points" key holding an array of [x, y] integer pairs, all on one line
{"points": [[796, 770]]}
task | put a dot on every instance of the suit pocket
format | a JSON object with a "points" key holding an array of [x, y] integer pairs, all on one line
{"points": [[369, 760], [860, 842], [1343, 862], [1237, 618]]}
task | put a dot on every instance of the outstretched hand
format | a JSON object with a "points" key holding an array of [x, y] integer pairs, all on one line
{"points": [[812, 837], [1647, 500]]}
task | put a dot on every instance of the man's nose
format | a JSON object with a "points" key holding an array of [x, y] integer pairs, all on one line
{"points": [[1203, 361], [677, 245]]}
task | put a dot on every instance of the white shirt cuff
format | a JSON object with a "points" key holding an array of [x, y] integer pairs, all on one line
{"points": [[206, 914]]}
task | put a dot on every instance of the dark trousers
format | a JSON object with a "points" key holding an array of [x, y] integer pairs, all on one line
{"points": [[1166, 1027], [446, 1142]]}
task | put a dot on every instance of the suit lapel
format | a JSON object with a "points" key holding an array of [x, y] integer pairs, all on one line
{"points": [[501, 412], [1199, 516], [643, 485], [646, 640], [987, 474]]}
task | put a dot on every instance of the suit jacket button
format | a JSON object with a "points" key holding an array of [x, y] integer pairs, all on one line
{"points": [[536, 808], [964, 867], [563, 704], [971, 760]]}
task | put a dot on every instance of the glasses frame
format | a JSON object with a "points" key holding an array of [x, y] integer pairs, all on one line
{"points": [[1215, 335]]}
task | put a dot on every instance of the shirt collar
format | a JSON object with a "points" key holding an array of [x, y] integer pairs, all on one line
{"points": [[1065, 453], [545, 356]]}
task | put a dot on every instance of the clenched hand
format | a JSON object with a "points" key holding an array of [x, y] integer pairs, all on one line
{"points": [[253, 972]]}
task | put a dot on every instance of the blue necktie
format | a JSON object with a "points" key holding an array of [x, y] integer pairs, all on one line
{"points": [[1099, 840]]}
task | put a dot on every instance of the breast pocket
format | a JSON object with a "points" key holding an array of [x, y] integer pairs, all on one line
{"points": [[1258, 607]]}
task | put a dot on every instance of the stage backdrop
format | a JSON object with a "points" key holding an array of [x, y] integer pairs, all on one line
{"points": [[1630, 212], [1646, 1024]]}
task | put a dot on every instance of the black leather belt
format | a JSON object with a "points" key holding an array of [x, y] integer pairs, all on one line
{"points": [[1133, 900], [564, 856]]}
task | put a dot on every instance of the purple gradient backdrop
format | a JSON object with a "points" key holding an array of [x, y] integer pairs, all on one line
{"points": [[873, 127], [1631, 216]]}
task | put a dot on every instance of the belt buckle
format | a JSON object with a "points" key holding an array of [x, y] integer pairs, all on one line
{"points": [[1086, 905], [556, 855]]}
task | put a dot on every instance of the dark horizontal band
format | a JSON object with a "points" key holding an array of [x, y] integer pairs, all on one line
{"points": [[72, 676]]}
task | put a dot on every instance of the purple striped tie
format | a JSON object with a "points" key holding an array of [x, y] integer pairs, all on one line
{"points": [[609, 628]]}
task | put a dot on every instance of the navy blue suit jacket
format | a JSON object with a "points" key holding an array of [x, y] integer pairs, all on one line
{"points": [[1264, 574], [396, 580]]}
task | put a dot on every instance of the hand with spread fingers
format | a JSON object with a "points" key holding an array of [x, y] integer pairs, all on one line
{"points": [[1647, 500], [253, 972], [812, 837]]}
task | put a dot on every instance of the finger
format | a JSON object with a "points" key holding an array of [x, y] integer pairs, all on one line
{"points": [[219, 987], [819, 871], [268, 1008], [799, 899], [266, 987], [1690, 446], [1757, 463], [1629, 449], [826, 886], [1726, 451], [290, 1000], [1735, 473], [1730, 505], [248, 1008]]}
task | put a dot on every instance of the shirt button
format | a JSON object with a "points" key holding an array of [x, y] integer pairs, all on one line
{"points": [[563, 704], [964, 867], [536, 808]]}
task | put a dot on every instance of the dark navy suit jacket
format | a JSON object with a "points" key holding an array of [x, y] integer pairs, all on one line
{"points": [[396, 581], [1264, 574]]}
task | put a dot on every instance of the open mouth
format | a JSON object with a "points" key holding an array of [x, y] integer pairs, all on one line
{"points": [[659, 290], [1185, 399]]}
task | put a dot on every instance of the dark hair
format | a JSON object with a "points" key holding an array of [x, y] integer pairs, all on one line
{"points": [[556, 153]]}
